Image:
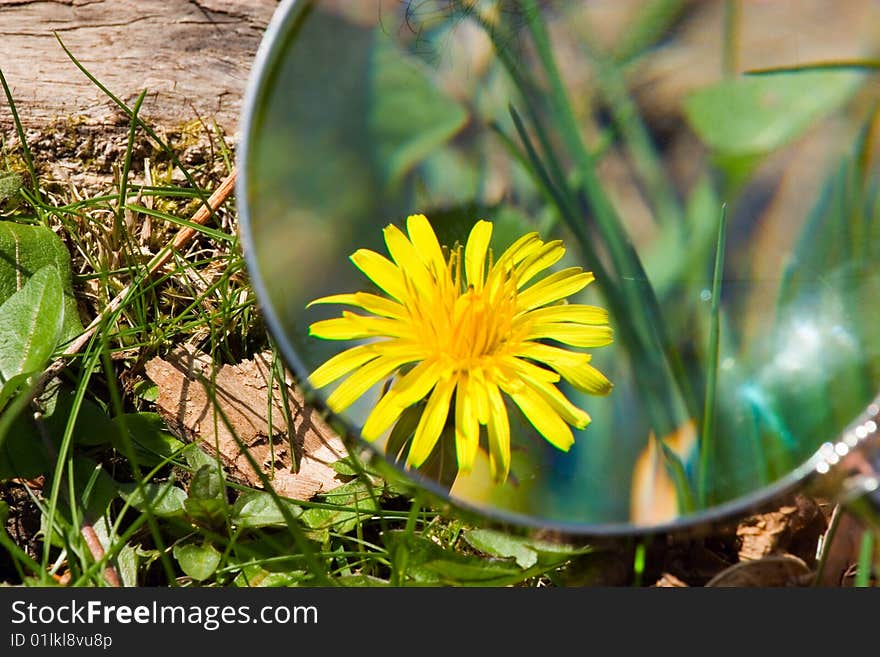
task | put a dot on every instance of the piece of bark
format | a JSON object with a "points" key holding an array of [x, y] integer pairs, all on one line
{"points": [[192, 56], [796, 526], [227, 414]]}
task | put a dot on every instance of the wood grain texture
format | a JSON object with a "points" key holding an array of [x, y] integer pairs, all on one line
{"points": [[192, 56]]}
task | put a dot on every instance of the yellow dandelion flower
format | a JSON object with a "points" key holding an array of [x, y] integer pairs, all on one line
{"points": [[463, 332]]}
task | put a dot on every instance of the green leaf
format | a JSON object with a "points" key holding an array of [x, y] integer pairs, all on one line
{"points": [[362, 581], [24, 250], [150, 438], [10, 387], [498, 544], [10, 184], [127, 564], [94, 488], [197, 458], [476, 572], [199, 561], [207, 496], [207, 483], [756, 114], [693, 242], [425, 562], [165, 500], [92, 424], [254, 575], [31, 324], [93, 492], [527, 552], [259, 509], [352, 501], [409, 117], [22, 452], [345, 468]]}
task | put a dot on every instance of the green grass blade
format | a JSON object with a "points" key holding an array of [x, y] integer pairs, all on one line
{"points": [[866, 559], [707, 435], [25, 149], [144, 126]]}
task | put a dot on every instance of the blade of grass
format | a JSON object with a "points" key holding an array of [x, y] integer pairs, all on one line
{"points": [[143, 125], [628, 122], [642, 307], [639, 562], [25, 149], [128, 452], [866, 560], [160, 259], [707, 434], [827, 540], [635, 346], [126, 162], [866, 65]]}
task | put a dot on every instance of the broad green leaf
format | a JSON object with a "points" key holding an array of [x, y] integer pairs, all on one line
{"points": [[346, 468], [25, 249], [425, 562], [756, 114], [196, 458], [527, 552], [150, 439], [352, 499], [92, 426], [93, 492], [10, 387], [94, 488], [692, 243], [199, 561], [207, 496], [146, 390], [409, 117], [10, 184], [361, 581], [499, 544], [650, 24], [127, 565], [253, 575], [31, 324], [22, 452], [164, 500], [475, 572], [207, 483], [259, 509]]}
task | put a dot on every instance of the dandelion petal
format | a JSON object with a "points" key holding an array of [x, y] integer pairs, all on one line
{"points": [[341, 364], [431, 423], [467, 426], [475, 253], [499, 434], [543, 417]]}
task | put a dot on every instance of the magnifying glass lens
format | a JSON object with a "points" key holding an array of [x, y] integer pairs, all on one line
{"points": [[551, 274]]}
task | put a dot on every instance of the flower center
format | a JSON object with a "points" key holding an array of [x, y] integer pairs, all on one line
{"points": [[466, 326]]}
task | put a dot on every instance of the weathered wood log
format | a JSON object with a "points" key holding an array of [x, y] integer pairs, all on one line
{"points": [[192, 56]]}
